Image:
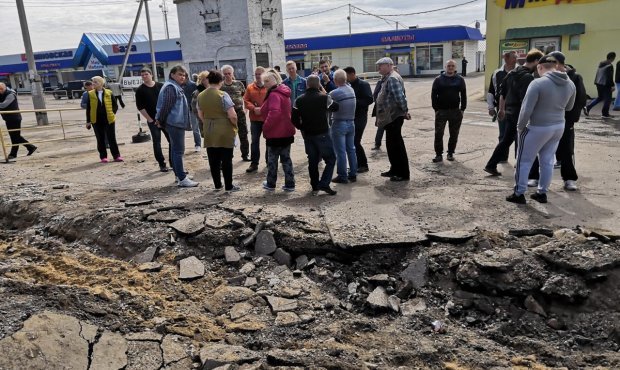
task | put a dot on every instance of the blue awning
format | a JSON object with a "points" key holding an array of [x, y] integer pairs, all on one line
{"points": [[398, 50], [91, 44], [296, 56]]}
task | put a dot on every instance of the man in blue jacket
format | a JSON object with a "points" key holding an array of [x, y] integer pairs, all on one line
{"points": [[173, 114], [295, 82], [326, 76], [363, 99]]}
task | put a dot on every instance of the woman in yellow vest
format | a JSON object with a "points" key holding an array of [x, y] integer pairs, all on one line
{"points": [[100, 113], [217, 113]]}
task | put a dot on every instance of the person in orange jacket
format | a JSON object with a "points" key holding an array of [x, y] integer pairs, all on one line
{"points": [[253, 98]]}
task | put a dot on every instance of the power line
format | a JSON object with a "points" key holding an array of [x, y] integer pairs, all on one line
{"points": [[427, 11], [365, 12], [311, 14]]}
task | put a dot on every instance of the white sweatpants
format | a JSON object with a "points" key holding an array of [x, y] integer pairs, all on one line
{"points": [[537, 141]]}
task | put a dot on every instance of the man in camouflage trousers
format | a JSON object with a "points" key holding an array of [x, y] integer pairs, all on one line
{"points": [[236, 90]]}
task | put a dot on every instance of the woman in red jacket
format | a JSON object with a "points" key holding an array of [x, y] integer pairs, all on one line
{"points": [[278, 130]]}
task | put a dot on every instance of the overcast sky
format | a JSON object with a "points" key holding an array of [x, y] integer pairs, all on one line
{"points": [[59, 24]]}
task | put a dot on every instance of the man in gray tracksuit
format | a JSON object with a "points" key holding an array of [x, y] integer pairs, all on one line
{"points": [[540, 127]]}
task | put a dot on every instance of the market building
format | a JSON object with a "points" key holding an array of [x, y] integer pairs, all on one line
{"points": [[416, 51], [584, 30], [96, 51]]}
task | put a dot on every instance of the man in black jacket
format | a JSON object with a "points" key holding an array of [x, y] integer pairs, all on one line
{"points": [[512, 92], [449, 98], [363, 99], [8, 101], [566, 147], [310, 117], [604, 82]]}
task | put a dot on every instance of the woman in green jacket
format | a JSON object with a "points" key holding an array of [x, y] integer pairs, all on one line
{"points": [[217, 113]]}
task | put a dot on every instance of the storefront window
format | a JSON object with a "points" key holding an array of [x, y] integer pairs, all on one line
{"points": [[370, 58], [315, 58], [573, 43], [437, 57], [429, 57], [547, 44]]}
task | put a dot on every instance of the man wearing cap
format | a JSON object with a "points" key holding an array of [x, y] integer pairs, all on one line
{"points": [[392, 110], [510, 62], [512, 92], [540, 126], [566, 147]]}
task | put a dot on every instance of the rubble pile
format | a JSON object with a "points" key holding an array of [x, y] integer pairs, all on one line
{"points": [[159, 286]]}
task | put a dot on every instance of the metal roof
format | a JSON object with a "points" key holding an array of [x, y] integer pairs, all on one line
{"points": [[92, 44]]}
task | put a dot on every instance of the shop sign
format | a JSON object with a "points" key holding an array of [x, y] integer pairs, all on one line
{"points": [[50, 55], [296, 46], [520, 47], [131, 82], [512, 4], [93, 63], [397, 38], [117, 49]]}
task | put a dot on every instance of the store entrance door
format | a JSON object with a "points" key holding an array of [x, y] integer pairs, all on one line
{"points": [[403, 63]]}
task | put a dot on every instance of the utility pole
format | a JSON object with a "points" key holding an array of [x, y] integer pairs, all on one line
{"points": [[133, 32], [349, 19], [35, 80], [164, 11], [148, 26]]}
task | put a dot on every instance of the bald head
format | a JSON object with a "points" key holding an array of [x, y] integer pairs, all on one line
{"points": [[2, 87]]}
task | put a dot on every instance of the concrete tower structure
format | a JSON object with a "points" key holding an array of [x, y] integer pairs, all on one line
{"points": [[242, 33]]}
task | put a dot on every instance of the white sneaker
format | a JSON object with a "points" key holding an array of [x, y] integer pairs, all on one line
{"points": [[187, 183], [570, 185], [235, 188], [197, 149], [532, 183]]}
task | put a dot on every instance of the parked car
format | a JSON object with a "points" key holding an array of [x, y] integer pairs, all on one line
{"points": [[70, 90]]}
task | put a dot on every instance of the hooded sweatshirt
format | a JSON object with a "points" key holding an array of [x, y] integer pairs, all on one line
{"points": [[278, 128], [546, 101]]}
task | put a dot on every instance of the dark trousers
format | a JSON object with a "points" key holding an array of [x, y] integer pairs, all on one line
{"points": [[16, 137], [565, 151], [502, 149], [220, 159], [256, 129], [360, 126], [454, 118], [244, 144], [107, 131], [397, 153], [379, 136], [604, 95], [156, 137], [119, 100], [320, 147]]}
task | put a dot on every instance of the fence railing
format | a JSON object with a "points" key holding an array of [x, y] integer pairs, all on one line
{"points": [[63, 126]]}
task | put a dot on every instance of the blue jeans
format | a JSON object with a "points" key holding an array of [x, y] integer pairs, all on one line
{"points": [[343, 135], [617, 102], [256, 129], [195, 129], [156, 137], [320, 147], [284, 154], [177, 148]]}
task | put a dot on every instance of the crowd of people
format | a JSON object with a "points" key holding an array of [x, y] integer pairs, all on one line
{"points": [[535, 104], [329, 108]]}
